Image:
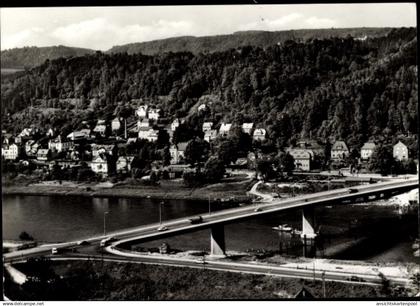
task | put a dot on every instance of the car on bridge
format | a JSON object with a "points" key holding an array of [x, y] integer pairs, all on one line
{"points": [[196, 220], [106, 241], [258, 209], [54, 251], [353, 190], [162, 229], [354, 278], [83, 242]]}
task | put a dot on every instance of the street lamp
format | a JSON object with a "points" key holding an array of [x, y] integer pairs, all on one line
{"points": [[105, 213], [209, 205], [160, 211]]}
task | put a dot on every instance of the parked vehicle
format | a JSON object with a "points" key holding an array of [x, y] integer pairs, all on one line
{"points": [[83, 242], [353, 190], [196, 220]]}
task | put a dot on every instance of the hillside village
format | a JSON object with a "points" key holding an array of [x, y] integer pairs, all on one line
{"points": [[147, 145]]}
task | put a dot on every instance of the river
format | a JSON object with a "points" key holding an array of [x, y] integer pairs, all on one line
{"points": [[56, 219]]}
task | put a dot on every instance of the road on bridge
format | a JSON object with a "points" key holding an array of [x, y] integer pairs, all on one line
{"points": [[183, 225]]}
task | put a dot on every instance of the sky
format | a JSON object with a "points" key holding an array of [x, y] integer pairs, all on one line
{"points": [[100, 28]]}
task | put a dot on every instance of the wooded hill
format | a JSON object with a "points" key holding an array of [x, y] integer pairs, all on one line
{"points": [[34, 56], [337, 87], [29, 57]]}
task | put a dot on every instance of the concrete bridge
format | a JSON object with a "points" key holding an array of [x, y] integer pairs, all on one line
{"points": [[216, 221]]}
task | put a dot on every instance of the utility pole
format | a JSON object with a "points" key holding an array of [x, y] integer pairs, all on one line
{"points": [[160, 211], [209, 204], [314, 268], [105, 213]]}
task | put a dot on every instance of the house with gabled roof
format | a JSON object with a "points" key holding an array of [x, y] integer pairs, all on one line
{"points": [[43, 154], [116, 124], [59, 144], [141, 111], [207, 126], [400, 151], [367, 150], [247, 127], [10, 152], [339, 150], [103, 165], [225, 129], [177, 152], [124, 163], [175, 124], [154, 113], [303, 158], [98, 149], [210, 135], [259, 134]]}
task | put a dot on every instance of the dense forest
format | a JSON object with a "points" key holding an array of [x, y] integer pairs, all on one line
{"points": [[337, 87], [34, 56], [29, 57]]}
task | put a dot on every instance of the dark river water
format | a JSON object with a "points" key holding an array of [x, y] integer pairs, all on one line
{"points": [[384, 234]]}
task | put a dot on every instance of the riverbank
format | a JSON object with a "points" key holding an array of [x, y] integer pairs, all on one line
{"points": [[171, 190]]}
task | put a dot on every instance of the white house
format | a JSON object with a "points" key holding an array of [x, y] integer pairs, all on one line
{"points": [[116, 124], [177, 152], [153, 135], [50, 133], [225, 129], [148, 133], [259, 134], [302, 157], [247, 127], [98, 149], [154, 114], [141, 112], [31, 147], [100, 128], [100, 165], [400, 151], [367, 150], [207, 126], [26, 132], [11, 152], [339, 150], [77, 135], [145, 123], [175, 124], [210, 135], [124, 164], [58, 144], [43, 154]]}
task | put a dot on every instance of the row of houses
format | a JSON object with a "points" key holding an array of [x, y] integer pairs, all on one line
{"points": [[305, 152]]}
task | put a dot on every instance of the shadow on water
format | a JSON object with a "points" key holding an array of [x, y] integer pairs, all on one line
{"points": [[379, 236]]}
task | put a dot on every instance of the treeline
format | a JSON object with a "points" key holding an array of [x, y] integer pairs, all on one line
{"points": [[338, 87], [220, 43], [33, 56]]}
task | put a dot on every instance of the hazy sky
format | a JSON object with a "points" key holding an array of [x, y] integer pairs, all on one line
{"points": [[100, 28]]}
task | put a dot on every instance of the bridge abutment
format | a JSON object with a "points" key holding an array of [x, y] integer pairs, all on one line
{"points": [[308, 235], [217, 241]]}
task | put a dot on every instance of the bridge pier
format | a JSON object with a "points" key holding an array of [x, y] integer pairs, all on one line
{"points": [[308, 235], [217, 241]]}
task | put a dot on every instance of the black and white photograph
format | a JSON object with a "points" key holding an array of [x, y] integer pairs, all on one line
{"points": [[249, 152]]}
